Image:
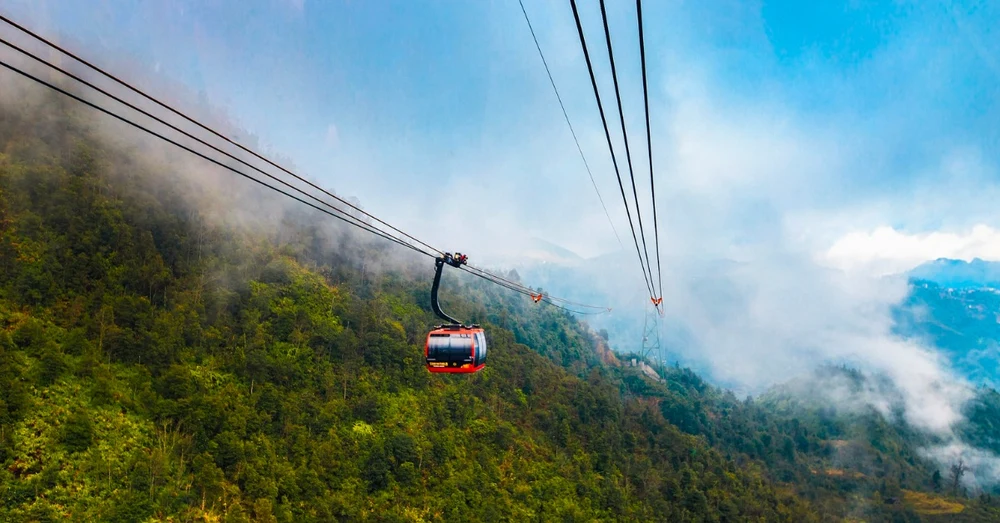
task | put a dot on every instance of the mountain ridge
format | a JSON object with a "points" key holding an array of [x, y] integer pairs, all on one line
{"points": [[956, 273]]}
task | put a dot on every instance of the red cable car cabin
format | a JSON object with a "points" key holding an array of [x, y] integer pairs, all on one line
{"points": [[456, 348], [453, 347]]}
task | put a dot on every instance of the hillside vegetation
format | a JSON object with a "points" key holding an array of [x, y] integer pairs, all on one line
{"points": [[156, 365], [158, 362]]}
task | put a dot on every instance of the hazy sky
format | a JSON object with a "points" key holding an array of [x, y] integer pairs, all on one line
{"points": [[812, 120]]}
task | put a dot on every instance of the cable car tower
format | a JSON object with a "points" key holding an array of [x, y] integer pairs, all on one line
{"points": [[651, 345]]}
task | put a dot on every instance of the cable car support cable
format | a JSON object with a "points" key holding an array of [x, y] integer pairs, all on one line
{"points": [[607, 135], [336, 212], [205, 157], [525, 289], [352, 219], [535, 296], [569, 124], [649, 145], [205, 127], [628, 151]]}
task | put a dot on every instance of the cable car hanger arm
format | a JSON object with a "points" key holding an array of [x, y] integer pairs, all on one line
{"points": [[455, 261]]}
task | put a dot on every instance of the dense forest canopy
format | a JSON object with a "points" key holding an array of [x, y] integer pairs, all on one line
{"points": [[177, 345]]}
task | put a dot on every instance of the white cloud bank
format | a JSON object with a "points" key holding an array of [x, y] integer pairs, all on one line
{"points": [[885, 250]]}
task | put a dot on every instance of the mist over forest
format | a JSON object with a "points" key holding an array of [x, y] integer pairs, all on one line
{"points": [[180, 343]]}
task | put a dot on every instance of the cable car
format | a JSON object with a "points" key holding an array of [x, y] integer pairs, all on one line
{"points": [[453, 347], [456, 348]]}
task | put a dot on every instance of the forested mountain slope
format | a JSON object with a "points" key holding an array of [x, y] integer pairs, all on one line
{"points": [[962, 322], [159, 362], [176, 346]]}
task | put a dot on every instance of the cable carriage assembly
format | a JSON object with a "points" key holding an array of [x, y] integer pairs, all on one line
{"points": [[453, 347]]}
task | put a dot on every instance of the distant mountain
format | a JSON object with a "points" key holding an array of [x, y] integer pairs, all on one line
{"points": [[959, 273], [534, 251], [962, 322], [954, 305], [547, 252]]}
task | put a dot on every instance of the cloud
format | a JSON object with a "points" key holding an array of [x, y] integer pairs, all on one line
{"points": [[769, 320], [983, 467], [780, 194], [885, 250]]}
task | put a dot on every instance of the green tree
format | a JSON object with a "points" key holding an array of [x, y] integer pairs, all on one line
{"points": [[78, 432]]}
